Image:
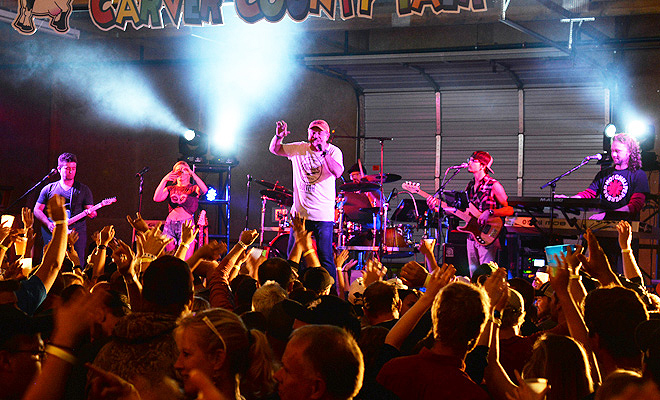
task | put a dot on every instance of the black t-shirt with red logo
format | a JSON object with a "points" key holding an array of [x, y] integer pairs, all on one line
{"points": [[616, 187]]}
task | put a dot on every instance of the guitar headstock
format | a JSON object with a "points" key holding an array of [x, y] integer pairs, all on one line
{"points": [[412, 187], [108, 201]]}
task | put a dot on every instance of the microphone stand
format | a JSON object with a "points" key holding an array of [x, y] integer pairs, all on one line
{"points": [[247, 207], [140, 190], [44, 179], [383, 207], [553, 186], [440, 192]]}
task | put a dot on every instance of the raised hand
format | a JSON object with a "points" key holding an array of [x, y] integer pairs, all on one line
{"points": [[439, 278], [212, 250], [55, 208], [426, 246], [281, 130], [560, 278], [597, 264], [373, 271], [497, 287], [28, 217], [188, 232], [125, 259], [155, 241], [137, 223], [107, 234], [249, 236], [413, 274], [625, 235], [340, 258]]}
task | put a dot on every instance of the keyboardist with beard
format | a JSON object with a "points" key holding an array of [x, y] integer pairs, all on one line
{"points": [[622, 188]]}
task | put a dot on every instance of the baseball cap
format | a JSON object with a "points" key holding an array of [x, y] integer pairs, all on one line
{"points": [[485, 158], [545, 290], [317, 279], [326, 310], [320, 125]]}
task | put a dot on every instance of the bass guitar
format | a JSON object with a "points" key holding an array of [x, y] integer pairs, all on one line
{"points": [[482, 234], [47, 235]]}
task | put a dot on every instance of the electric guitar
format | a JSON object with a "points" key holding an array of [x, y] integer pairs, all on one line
{"points": [[47, 235], [482, 234]]}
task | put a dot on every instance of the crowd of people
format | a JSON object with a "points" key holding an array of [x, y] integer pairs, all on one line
{"points": [[162, 317], [146, 323]]}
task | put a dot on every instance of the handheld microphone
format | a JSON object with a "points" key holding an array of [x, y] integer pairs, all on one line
{"points": [[594, 157], [142, 172], [52, 172], [460, 166]]}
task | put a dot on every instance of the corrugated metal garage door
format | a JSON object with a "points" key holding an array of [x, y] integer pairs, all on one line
{"points": [[561, 126]]}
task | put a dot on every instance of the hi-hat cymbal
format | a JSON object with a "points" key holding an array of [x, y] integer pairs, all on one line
{"points": [[359, 187], [377, 178], [278, 196], [273, 186]]}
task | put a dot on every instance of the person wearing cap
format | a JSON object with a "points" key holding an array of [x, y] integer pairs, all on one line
{"points": [[316, 165], [490, 198]]}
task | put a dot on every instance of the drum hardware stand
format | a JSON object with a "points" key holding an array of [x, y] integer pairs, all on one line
{"points": [[263, 220], [247, 207]]}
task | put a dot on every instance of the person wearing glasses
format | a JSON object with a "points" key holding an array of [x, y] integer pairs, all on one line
{"points": [[316, 166], [78, 198], [490, 199]]}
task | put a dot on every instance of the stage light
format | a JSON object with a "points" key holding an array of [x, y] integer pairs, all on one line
{"points": [[211, 194], [189, 135], [193, 149], [610, 130], [637, 129], [644, 133]]}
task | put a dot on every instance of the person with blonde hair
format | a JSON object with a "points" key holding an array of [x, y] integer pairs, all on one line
{"points": [[182, 200], [237, 360]]}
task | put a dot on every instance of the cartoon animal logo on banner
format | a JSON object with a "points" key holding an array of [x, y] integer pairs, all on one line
{"points": [[149, 13], [58, 11]]}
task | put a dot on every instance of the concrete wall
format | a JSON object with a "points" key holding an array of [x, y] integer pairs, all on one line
{"points": [[38, 122]]}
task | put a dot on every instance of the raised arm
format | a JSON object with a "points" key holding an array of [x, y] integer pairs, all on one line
{"points": [[275, 146], [439, 278], [54, 256], [630, 267], [161, 192]]}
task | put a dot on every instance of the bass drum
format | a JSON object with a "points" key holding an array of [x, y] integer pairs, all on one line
{"points": [[278, 246]]}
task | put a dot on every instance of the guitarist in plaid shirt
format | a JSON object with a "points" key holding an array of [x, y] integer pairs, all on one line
{"points": [[490, 198]]}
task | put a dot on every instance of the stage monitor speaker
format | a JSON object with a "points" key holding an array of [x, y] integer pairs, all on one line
{"points": [[455, 252]]}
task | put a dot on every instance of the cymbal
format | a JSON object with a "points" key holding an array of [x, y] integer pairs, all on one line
{"points": [[278, 196], [273, 186], [377, 178], [359, 187]]}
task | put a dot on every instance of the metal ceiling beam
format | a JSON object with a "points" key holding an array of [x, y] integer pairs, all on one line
{"points": [[423, 73], [507, 69], [589, 30]]}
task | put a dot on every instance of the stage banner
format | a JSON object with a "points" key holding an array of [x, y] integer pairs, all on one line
{"points": [[153, 14]]}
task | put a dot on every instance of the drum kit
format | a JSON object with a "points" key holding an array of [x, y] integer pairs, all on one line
{"points": [[361, 222]]}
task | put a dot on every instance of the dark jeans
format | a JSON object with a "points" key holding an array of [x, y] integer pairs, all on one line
{"points": [[322, 232]]}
